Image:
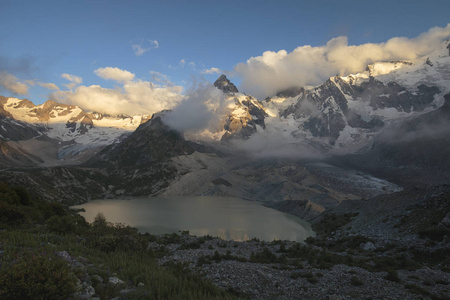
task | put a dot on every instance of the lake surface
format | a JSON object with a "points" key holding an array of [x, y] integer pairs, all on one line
{"points": [[227, 218]]}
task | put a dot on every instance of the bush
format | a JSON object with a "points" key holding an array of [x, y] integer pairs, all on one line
{"points": [[8, 195], [50, 209], [356, 281], [67, 224], [100, 221], [37, 277], [11, 215], [24, 196], [265, 257], [392, 275]]}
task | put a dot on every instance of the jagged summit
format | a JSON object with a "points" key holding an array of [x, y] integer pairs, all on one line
{"points": [[290, 92], [225, 85]]}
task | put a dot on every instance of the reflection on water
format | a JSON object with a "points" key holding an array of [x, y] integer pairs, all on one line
{"points": [[227, 218]]}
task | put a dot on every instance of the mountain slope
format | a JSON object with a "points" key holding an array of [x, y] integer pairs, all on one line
{"points": [[151, 142], [411, 152]]}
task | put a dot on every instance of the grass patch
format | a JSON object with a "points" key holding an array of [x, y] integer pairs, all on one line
{"points": [[29, 266]]}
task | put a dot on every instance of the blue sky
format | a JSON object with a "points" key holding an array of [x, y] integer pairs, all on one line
{"points": [[180, 40]]}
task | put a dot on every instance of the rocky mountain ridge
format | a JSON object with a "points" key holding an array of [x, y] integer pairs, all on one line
{"points": [[344, 114], [67, 129]]}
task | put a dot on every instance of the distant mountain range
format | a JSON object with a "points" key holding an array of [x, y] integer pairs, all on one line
{"points": [[312, 145], [65, 130]]}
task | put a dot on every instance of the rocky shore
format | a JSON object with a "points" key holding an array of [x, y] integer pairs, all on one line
{"points": [[390, 247], [263, 270]]}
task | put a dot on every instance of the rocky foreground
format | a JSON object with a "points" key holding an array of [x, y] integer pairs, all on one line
{"points": [[258, 270], [391, 247]]}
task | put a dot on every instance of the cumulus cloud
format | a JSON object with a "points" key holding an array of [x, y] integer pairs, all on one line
{"points": [[114, 74], [12, 84], [306, 65], [133, 97], [213, 71], [75, 80], [144, 46]]}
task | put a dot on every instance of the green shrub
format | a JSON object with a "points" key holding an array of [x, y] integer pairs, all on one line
{"points": [[24, 196], [67, 224], [8, 195], [50, 209], [392, 275], [11, 215], [37, 277], [356, 281], [312, 280], [100, 221], [265, 257]]}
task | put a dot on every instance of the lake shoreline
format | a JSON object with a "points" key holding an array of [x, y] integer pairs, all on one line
{"points": [[226, 217], [363, 247]]}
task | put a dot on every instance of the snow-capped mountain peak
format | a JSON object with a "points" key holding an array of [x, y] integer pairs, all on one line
{"points": [[70, 122], [345, 113]]}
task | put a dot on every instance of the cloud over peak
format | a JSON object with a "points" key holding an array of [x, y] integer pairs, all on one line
{"points": [[132, 97], [273, 71], [114, 74]]}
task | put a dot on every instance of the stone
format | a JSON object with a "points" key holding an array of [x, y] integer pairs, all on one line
{"points": [[86, 292], [445, 223], [64, 255], [369, 246], [115, 280]]}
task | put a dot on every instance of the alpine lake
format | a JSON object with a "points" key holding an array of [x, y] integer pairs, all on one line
{"points": [[223, 217]]}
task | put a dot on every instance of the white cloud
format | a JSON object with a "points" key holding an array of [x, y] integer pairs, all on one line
{"points": [[213, 71], [202, 108], [134, 97], [138, 50], [114, 74], [144, 46], [72, 78], [273, 71], [183, 62], [50, 86], [30, 82], [12, 84], [75, 80]]}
